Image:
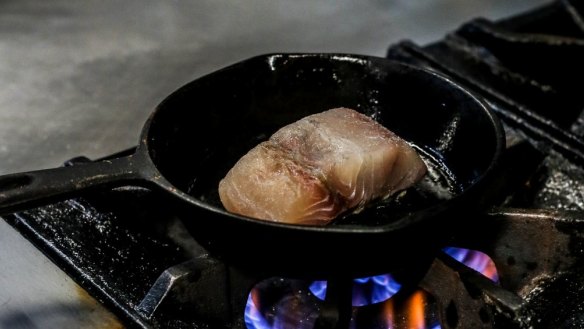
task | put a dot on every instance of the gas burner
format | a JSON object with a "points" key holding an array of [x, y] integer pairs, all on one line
{"points": [[528, 69]]}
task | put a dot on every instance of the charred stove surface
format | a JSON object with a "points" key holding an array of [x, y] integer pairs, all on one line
{"points": [[561, 185], [115, 243], [127, 251], [528, 66]]}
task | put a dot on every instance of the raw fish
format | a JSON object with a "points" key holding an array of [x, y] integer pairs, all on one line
{"points": [[316, 168]]}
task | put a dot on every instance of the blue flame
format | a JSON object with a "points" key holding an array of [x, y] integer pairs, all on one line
{"points": [[318, 288], [366, 291], [293, 310], [299, 309], [476, 260], [253, 317]]}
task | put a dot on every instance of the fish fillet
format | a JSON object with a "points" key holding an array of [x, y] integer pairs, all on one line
{"points": [[314, 169]]}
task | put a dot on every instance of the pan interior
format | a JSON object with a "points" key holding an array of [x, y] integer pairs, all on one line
{"points": [[199, 132]]}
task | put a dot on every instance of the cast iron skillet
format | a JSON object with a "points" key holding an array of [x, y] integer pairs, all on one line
{"points": [[197, 133]]}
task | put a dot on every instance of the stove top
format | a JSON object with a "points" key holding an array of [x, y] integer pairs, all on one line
{"points": [[125, 248]]}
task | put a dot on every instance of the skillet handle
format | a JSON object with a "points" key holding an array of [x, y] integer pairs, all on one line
{"points": [[25, 190]]}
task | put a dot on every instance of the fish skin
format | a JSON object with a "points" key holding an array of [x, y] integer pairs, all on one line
{"points": [[314, 169]]}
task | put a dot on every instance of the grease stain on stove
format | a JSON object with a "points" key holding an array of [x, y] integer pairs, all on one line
{"points": [[106, 319]]}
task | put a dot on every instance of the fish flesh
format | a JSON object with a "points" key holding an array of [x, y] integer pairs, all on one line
{"points": [[318, 167]]}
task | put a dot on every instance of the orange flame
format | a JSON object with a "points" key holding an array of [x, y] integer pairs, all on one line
{"points": [[389, 313], [490, 271], [409, 314], [416, 311]]}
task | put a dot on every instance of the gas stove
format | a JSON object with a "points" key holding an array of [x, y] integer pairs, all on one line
{"points": [[517, 265]]}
